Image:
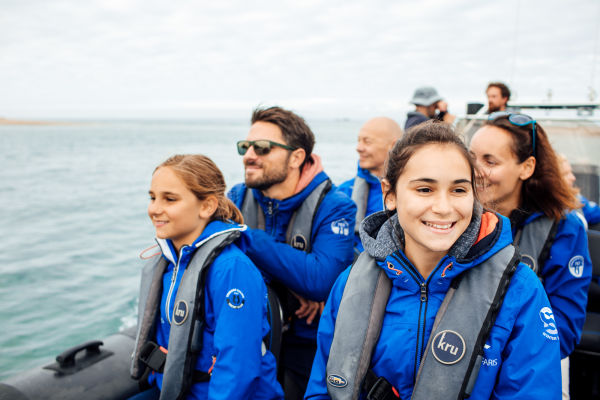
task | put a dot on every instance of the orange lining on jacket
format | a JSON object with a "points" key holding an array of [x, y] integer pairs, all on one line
{"points": [[488, 224]]}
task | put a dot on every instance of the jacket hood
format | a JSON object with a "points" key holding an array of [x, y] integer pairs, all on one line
{"points": [[381, 234], [309, 172]]}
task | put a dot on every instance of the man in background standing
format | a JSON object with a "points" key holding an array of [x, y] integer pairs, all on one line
{"points": [[498, 95]]}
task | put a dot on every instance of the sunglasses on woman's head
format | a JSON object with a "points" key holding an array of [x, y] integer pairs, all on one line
{"points": [[261, 147], [518, 120]]}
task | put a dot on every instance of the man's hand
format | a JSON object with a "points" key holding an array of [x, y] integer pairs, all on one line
{"points": [[442, 106], [445, 116], [308, 308]]}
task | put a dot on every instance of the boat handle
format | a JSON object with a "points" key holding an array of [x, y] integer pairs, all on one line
{"points": [[67, 358]]}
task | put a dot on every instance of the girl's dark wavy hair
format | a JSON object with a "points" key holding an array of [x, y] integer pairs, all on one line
{"points": [[430, 132], [546, 190]]}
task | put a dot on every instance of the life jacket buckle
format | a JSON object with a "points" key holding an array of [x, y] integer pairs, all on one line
{"points": [[382, 390], [153, 356]]}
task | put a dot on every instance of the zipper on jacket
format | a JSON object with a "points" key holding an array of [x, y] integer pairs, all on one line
{"points": [[270, 218], [172, 286], [424, 301]]}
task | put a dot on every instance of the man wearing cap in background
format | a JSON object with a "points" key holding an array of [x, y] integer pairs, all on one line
{"points": [[427, 102], [376, 137]]}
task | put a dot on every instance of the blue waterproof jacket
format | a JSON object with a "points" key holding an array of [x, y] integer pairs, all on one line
{"points": [[231, 340], [414, 118], [521, 355], [374, 202], [590, 209], [566, 276], [311, 275]]}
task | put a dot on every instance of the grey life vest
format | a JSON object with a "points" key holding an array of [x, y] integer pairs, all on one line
{"points": [[534, 241], [185, 337], [454, 351], [299, 230], [360, 197]]}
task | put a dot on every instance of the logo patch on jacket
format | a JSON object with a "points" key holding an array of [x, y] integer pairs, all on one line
{"points": [[337, 381], [448, 347], [180, 312], [340, 227], [576, 266], [299, 242], [550, 331], [235, 298], [529, 261]]}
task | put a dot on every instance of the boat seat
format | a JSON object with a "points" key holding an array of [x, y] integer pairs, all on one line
{"points": [[594, 227], [590, 336], [585, 359], [593, 304]]}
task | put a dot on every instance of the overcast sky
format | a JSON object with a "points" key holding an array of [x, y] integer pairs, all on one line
{"points": [[196, 59]]}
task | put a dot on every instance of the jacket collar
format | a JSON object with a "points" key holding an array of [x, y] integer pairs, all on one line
{"points": [[484, 237], [366, 175], [381, 234], [214, 228]]}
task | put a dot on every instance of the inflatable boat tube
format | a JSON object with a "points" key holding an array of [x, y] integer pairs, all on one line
{"points": [[93, 370]]}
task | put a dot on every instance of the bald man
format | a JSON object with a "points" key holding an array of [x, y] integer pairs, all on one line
{"points": [[375, 139]]}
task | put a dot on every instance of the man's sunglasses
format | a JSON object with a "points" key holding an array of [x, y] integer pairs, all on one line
{"points": [[518, 120], [261, 147]]}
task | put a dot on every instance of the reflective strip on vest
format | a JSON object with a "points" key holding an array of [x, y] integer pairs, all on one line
{"points": [[357, 327], [362, 306], [184, 337], [531, 241], [299, 231], [360, 197]]}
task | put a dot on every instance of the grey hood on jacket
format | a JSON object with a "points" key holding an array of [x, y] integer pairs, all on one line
{"points": [[381, 234]]}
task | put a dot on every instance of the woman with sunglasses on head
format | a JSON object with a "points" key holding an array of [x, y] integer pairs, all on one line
{"points": [[203, 304], [438, 305], [519, 177]]}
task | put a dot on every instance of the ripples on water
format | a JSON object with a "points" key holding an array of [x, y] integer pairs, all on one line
{"points": [[74, 204]]}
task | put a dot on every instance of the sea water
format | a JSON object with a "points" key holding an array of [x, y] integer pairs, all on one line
{"points": [[73, 199]]}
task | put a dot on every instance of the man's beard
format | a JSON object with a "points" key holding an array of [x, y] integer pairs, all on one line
{"points": [[269, 178], [493, 108]]}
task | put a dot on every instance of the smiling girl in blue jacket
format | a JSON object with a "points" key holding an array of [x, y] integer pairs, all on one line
{"points": [[203, 304], [520, 177], [431, 239]]}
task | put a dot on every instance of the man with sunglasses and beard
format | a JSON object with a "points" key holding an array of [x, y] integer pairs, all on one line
{"points": [[301, 228]]}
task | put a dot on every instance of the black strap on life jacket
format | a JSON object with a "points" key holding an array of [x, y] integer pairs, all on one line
{"points": [[154, 356], [378, 388], [545, 253], [545, 250]]}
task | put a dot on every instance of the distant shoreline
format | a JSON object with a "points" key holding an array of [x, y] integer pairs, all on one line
{"points": [[6, 121]]}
